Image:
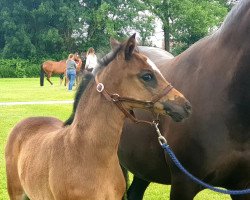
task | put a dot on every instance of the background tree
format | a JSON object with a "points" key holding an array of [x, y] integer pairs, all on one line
{"points": [[48, 28], [103, 19], [32, 27], [186, 21]]}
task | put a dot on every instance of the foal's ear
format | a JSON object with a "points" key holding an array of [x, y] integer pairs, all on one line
{"points": [[130, 46], [114, 43]]}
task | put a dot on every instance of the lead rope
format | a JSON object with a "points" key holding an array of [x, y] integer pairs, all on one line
{"points": [[163, 142]]}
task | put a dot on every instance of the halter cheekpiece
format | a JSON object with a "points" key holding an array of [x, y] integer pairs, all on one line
{"points": [[117, 99]]}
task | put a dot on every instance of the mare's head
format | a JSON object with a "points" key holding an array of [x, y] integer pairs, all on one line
{"points": [[130, 74], [78, 60], [76, 57]]}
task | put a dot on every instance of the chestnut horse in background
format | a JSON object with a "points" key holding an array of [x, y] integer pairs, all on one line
{"points": [[46, 159], [50, 67], [214, 143]]}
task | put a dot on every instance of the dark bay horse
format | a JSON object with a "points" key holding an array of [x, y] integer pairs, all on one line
{"points": [[47, 159], [214, 143], [50, 67]]}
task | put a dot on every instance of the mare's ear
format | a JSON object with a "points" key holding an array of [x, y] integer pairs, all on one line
{"points": [[130, 46], [114, 43]]}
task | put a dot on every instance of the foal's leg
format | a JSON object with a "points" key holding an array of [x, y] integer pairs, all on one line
{"points": [[26, 197], [137, 189]]}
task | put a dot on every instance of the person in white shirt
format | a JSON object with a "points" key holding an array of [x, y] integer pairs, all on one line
{"points": [[91, 60]]}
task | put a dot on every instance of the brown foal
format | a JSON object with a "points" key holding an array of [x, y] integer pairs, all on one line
{"points": [[46, 160]]}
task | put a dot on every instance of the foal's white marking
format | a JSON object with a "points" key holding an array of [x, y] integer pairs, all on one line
{"points": [[154, 67]]}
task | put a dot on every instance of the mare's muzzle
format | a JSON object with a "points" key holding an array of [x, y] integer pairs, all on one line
{"points": [[178, 111]]}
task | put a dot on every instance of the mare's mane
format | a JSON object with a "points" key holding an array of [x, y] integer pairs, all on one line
{"points": [[88, 76], [229, 27], [234, 17]]}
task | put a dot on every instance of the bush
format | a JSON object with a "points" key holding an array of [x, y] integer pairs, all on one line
{"points": [[18, 68]]}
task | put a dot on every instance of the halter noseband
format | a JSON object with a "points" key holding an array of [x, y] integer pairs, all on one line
{"points": [[117, 100]]}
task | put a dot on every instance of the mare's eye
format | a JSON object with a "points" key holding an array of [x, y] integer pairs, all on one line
{"points": [[147, 77]]}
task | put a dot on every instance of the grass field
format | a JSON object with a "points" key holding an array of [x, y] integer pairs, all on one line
{"points": [[15, 90]]}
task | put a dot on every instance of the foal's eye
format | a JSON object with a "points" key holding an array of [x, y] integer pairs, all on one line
{"points": [[147, 77]]}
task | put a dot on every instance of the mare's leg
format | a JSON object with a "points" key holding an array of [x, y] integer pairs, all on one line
{"points": [[61, 78], [48, 78], [125, 174], [240, 197], [66, 80], [77, 78], [137, 189], [182, 188]]}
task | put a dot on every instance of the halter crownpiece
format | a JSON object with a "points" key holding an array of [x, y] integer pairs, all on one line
{"points": [[117, 99]]}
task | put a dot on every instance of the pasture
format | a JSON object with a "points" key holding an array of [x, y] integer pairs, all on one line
{"points": [[15, 90]]}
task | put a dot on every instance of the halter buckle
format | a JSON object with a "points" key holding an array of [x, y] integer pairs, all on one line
{"points": [[115, 97], [100, 87]]}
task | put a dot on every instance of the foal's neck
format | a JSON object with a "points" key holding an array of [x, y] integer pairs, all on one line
{"points": [[98, 122]]}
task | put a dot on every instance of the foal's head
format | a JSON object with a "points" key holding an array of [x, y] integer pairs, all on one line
{"points": [[132, 75]]}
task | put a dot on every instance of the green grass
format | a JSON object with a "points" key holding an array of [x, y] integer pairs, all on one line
{"points": [[29, 90]]}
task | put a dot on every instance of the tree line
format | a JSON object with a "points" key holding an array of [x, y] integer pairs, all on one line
{"points": [[39, 29]]}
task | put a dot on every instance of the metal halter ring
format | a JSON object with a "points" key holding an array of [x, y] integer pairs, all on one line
{"points": [[100, 87]]}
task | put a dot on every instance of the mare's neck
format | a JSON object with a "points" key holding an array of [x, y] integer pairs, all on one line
{"points": [[98, 122], [234, 31]]}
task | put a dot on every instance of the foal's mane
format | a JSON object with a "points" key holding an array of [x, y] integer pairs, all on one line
{"points": [[87, 77]]}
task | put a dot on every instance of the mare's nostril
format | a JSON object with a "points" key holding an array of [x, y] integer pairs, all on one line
{"points": [[188, 107]]}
